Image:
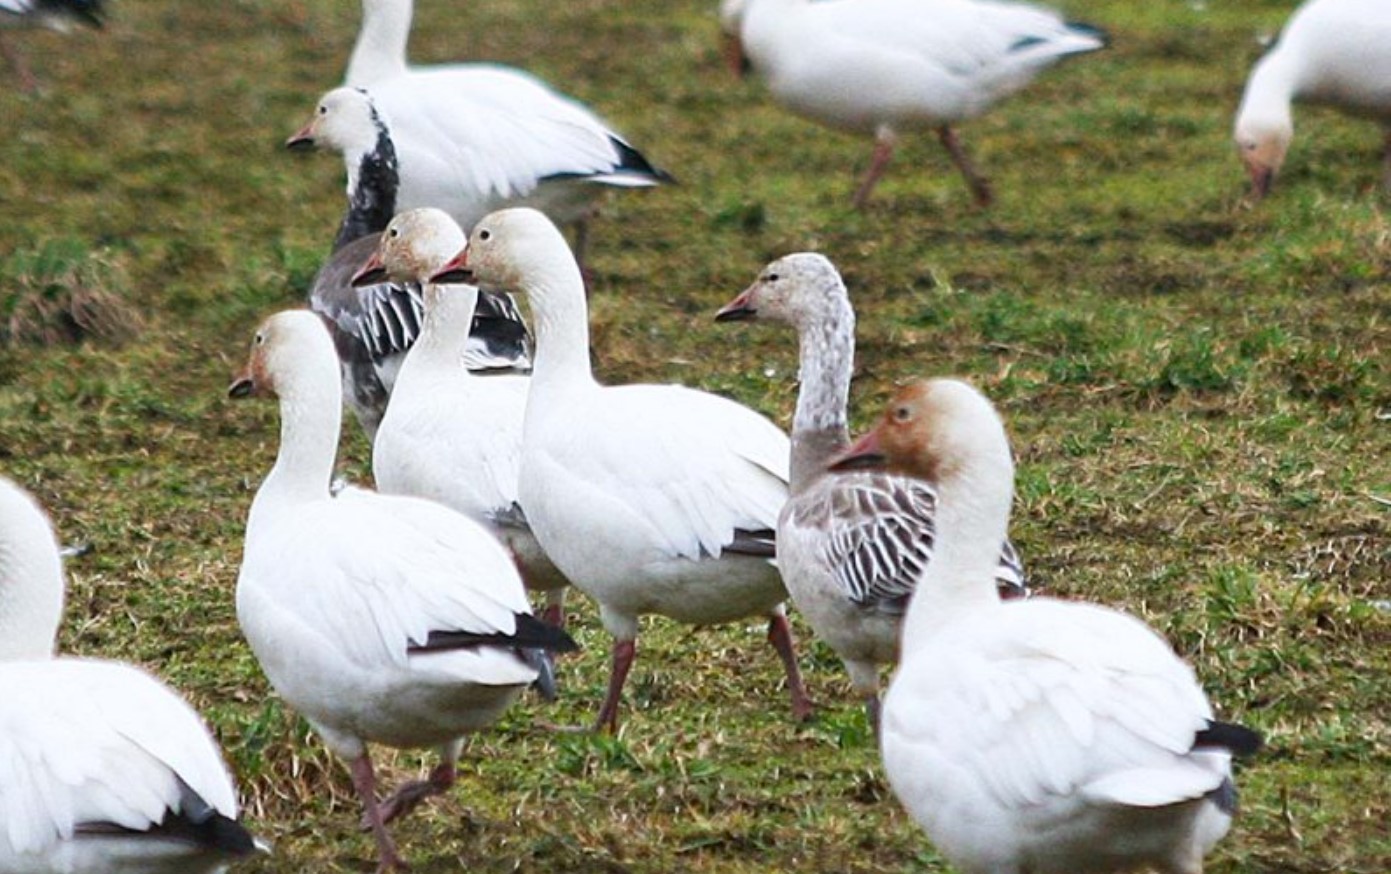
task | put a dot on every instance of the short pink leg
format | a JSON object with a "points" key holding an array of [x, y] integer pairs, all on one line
{"points": [[780, 636], [409, 795], [873, 710], [878, 163], [979, 185], [623, 653], [554, 611], [365, 781]]}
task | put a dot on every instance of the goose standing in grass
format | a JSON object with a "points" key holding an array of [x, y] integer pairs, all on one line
{"points": [[473, 138], [59, 15], [448, 435], [650, 498], [1331, 52], [103, 768], [380, 618], [1035, 735], [373, 326], [882, 67], [851, 545]]}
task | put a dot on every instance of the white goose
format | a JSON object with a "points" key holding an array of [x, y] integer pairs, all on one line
{"points": [[851, 545], [373, 326], [379, 618], [881, 67], [1331, 52], [1034, 735], [103, 768], [650, 498], [448, 435], [476, 137]]}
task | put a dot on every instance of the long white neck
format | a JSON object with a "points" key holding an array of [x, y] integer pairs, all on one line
{"points": [[380, 51], [1273, 83], [826, 358], [31, 577], [445, 330], [561, 315], [973, 507], [311, 414]]}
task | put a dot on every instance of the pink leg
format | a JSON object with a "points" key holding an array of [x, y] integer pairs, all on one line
{"points": [[554, 611], [623, 653], [1386, 162], [407, 796], [19, 65], [878, 163], [979, 185], [780, 636], [365, 781], [872, 710]]}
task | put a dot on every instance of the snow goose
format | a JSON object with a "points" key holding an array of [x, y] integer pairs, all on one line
{"points": [[1331, 52], [650, 498], [378, 617], [373, 326], [884, 66], [448, 435], [59, 15], [1034, 735], [851, 545], [103, 768], [472, 138]]}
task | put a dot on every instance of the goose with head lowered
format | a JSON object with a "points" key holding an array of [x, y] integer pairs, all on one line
{"points": [[449, 435], [373, 325], [1041, 736], [851, 545], [1331, 52], [103, 768], [883, 67], [380, 618], [649, 498]]}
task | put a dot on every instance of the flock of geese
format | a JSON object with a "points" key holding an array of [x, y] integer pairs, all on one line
{"points": [[1022, 733]]}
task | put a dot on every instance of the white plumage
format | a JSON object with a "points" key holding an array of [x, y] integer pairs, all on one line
{"points": [[380, 618], [103, 768], [1331, 52], [882, 67], [651, 499], [1038, 735]]}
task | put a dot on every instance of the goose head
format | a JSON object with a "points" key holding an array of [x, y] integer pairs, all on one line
{"points": [[345, 120], [939, 430], [800, 289], [1262, 145], [280, 344], [415, 245], [31, 577], [513, 249]]}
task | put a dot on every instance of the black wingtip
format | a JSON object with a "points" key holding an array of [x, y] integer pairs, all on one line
{"points": [[1241, 740], [532, 633]]}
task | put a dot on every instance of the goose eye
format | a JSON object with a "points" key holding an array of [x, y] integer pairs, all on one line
{"points": [[323, 110], [485, 235], [260, 339], [772, 277], [902, 414], [393, 232]]}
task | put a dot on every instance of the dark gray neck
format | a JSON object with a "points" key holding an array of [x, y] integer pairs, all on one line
{"points": [[372, 201]]}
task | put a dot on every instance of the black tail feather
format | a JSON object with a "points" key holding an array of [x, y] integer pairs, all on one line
{"points": [[761, 543], [531, 633], [1241, 740]]}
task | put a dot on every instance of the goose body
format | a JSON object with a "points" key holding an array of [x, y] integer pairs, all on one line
{"points": [[103, 768], [883, 67], [1331, 52], [380, 618], [650, 499], [851, 544], [448, 435], [1034, 735]]}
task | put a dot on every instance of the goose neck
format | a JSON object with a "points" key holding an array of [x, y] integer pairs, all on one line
{"points": [[445, 330], [561, 321], [374, 180], [826, 358], [380, 50], [31, 578], [310, 422]]}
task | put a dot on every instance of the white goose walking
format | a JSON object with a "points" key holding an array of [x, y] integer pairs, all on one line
{"points": [[449, 435], [380, 618], [851, 545], [103, 768], [1034, 735], [1331, 52], [650, 498], [882, 67]]}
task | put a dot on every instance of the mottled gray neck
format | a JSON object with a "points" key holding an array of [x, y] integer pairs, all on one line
{"points": [[827, 357]]}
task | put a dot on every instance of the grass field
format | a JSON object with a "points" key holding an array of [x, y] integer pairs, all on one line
{"points": [[1198, 393]]}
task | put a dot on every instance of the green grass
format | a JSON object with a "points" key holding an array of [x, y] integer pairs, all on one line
{"points": [[1198, 393]]}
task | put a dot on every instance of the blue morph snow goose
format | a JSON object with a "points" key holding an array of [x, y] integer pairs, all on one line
{"points": [[651, 499], [1034, 735], [851, 545], [380, 618], [882, 67], [103, 768]]}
